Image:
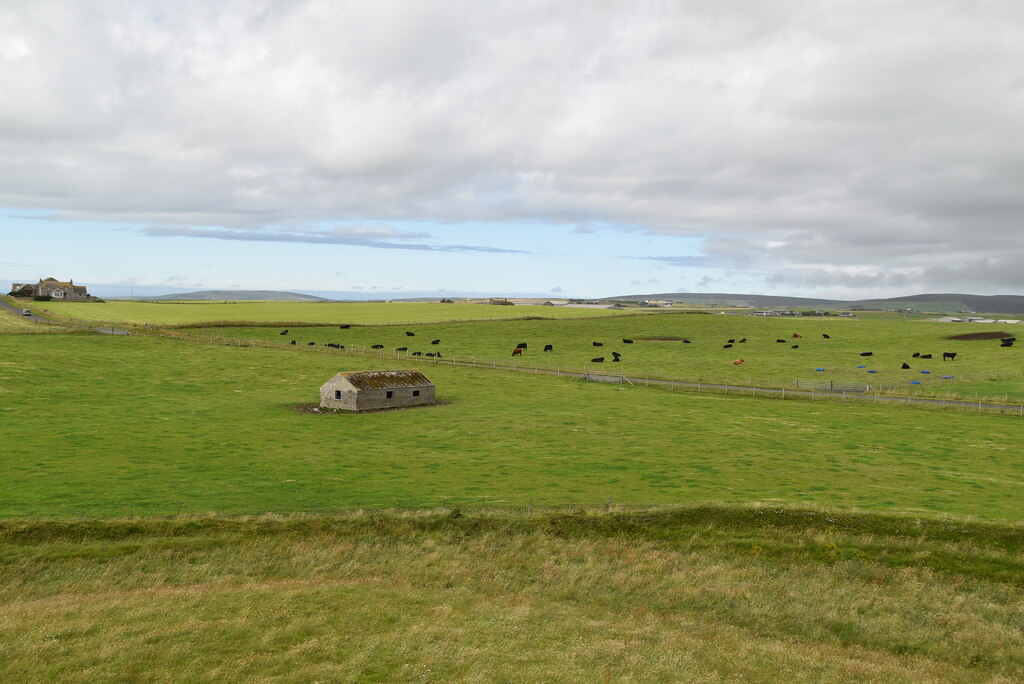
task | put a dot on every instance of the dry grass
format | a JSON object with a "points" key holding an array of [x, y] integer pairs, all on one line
{"points": [[643, 597]]}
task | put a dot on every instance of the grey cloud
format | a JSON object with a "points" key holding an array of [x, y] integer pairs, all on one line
{"points": [[796, 137], [350, 237]]}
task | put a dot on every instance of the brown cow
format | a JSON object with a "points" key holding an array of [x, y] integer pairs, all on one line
{"points": [[518, 351], [737, 362]]}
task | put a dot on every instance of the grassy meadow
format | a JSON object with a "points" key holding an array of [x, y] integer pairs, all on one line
{"points": [[982, 368], [105, 426], [172, 511], [698, 594], [178, 313]]}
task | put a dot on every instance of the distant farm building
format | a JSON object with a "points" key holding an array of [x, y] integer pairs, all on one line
{"points": [[56, 289], [379, 389]]}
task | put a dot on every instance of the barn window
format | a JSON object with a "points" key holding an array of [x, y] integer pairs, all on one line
{"points": [[415, 393], [337, 394], [390, 394]]}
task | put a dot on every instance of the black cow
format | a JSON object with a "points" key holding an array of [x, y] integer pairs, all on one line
{"points": [[616, 354], [916, 355], [795, 346], [283, 332], [410, 334], [599, 359], [743, 340], [344, 326], [521, 345], [293, 342], [1006, 344], [417, 354], [549, 347], [625, 341], [949, 355], [401, 349], [616, 359], [778, 341], [598, 344], [926, 356], [905, 366], [686, 341], [376, 346], [731, 341], [435, 341], [311, 344], [825, 336], [437, 355], [726, 346], [1011, 340], [866, 353]]}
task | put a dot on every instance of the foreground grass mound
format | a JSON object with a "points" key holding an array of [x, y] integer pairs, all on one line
{"points": [[709, 593]]}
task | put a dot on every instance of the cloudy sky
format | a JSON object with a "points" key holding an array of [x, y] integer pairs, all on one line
{"points": [[832, 148]]}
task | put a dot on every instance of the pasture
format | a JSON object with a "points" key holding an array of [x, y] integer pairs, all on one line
{"points": [[103, 426], [982, 369], [175, 313]]}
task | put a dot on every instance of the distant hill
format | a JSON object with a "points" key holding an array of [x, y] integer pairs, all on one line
{"points": [[239, 296], [939, 303]]}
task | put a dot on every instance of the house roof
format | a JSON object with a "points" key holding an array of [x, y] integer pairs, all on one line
{"points": [[384, 379]]}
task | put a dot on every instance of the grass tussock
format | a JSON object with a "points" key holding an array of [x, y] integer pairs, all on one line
{"points": [[711, 593]]}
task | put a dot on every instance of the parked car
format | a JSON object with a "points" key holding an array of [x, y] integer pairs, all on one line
{"points": [[26, 312]]}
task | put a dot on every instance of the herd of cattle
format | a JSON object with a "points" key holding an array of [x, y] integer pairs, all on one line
{"points": [[617, 356]]}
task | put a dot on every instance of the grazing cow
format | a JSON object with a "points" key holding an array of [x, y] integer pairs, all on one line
{"points": [[797, 335], [743, 340], [430, 354], [905, 366], [344, 326], [401, 349], [549, 347], [435, 341], [616, 354], [866, 353], [598, 344], [779, 341], [518, 351], [1006, 344], [726, 346], [926, 356], [330, 345], [376, 346], [731, 341], [293, 342], [625, 341], [283, 332], [437, 355], [737, 362], [311, 344], [916, 355], [825, 336], [686, 341], [795, 346], [417, 354], [949, 355], [599, 359], [521, 345], [616, 359]]}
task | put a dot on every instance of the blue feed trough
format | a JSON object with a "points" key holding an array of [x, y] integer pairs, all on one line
{"points": [[819, 369], [926, 372], [861, 366], [872, 371], [915, 382]]}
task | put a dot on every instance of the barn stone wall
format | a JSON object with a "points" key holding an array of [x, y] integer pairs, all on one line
{"points": [[368, 399]]}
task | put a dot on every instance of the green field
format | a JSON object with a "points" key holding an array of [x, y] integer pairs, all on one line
{"points": [[171, 511], [112, 426], [363, 313], [982, 368]]}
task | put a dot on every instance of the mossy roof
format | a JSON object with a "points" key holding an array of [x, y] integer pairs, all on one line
{"points": [[385, 379]]}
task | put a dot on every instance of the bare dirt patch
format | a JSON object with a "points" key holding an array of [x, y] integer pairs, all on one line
{"points": [[981, 336]]}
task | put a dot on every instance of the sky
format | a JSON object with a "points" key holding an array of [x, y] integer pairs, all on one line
{"points": [[823, 148]]}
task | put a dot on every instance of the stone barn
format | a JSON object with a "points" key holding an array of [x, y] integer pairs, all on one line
{"points": [[378, 389]]}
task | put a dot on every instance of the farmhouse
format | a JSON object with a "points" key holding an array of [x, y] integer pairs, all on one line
{"points": [[51, 287], [379, 389]]}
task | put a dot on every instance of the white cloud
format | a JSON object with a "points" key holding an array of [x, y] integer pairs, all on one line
{"points": [[809, 142]]}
